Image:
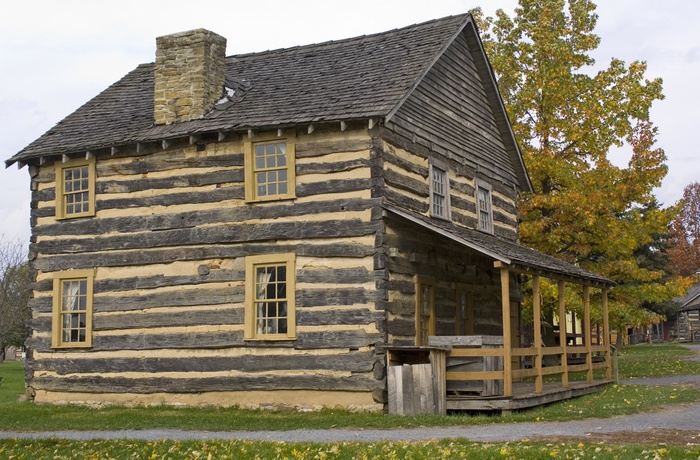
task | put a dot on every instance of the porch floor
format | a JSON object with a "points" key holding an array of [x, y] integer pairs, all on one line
{"points": [[524, 396]]}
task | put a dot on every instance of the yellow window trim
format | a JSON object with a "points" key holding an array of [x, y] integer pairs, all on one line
{"points": [[251, 262], [430, 281], [56, 327], [74, 163], [289, 136]]}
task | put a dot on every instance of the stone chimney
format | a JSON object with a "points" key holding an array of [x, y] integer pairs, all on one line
{"points": [[189, 75]]}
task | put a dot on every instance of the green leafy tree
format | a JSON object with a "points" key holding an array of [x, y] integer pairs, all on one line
{"points": [[14, 295], [568, 116]]}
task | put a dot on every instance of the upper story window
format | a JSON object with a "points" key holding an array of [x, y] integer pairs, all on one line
{"points": [[270, 297], [270, 167], [483, 206], [75, 188], [72, 309], [439, 191]]}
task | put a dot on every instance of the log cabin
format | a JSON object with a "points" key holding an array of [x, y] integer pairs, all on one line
{"points": [[281, 228]]}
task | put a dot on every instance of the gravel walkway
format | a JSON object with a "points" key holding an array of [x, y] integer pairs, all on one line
{"points": [[674, 418]]}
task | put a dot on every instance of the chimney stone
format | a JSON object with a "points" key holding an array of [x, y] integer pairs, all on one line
{"points": [[189, 75]]}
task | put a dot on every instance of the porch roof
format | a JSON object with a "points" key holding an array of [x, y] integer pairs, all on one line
{"points": [[517, 257]]}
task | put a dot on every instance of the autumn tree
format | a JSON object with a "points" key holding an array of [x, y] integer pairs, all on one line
{"points": [[14, 295], [685, 233], [567, 117]]}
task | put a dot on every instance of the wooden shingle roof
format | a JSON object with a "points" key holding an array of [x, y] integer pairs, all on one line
{"points": [[357, 78]]}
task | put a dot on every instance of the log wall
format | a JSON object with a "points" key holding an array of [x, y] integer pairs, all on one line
{"points": [[168, 243]]}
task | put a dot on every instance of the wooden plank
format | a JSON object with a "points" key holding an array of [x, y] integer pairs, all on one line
{"points": [[482, 375], [588, 332], [562, 333], [395, 390], [537, 327], [476, 352], [507, 345]]}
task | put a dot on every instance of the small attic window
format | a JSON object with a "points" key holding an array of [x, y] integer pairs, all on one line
{"points": [[439, 190], [484, 206], [270, 167], [75, 188]]}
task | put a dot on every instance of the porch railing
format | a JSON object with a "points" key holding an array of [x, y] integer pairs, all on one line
{"points": [[587, 359]]}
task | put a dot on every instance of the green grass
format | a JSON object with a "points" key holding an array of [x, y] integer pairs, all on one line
{"points": [[444, 449], [656, 361], [615, 400]]}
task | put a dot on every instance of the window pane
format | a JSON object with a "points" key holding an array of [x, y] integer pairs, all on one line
{"points": [[271, 284]]}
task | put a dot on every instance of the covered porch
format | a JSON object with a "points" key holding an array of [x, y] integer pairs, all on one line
{"points": [[506, 372]]}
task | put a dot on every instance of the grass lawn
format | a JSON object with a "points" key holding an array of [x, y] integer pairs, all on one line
{"points": [[638, 360], [235, 450], [634, 361]]}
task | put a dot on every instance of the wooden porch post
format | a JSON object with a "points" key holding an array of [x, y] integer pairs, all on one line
{"points": [[537, 324], [587, 332], [507, 345], [606, 335], [562, 335]]}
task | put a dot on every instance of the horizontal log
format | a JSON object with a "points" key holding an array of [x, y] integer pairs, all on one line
{"points": [[241, 233], [181, 180], [189, 219], [394, 159], [336, 339], [402, 326], [333, 186], [359, 275], [179, 298], [401, 182], [332, 167], [142, 320], [347, 362], [155, 281], [359, 316], [406, 202], [320, 148], [336, 296], [156, 163], [355, 338], [98, 384], [219, 194], [179, 254]]}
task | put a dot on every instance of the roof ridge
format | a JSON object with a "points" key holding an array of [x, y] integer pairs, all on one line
{"points": [[349, 39]]}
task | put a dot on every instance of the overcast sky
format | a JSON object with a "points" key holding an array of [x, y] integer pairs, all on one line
{"points": [[56, 55]]}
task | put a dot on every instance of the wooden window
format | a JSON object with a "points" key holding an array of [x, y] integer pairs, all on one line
{"points": [[75, 188], [270, 167], [464, 310], [270, 297], [72, 309], [483, 204], [439, 191], [425, 309]]}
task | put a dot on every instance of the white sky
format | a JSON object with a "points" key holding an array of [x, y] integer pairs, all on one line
{"points": [[56, 55]]}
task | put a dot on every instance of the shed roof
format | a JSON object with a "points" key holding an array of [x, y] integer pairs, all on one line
{"points": [[507, 252], [356, 78]]}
